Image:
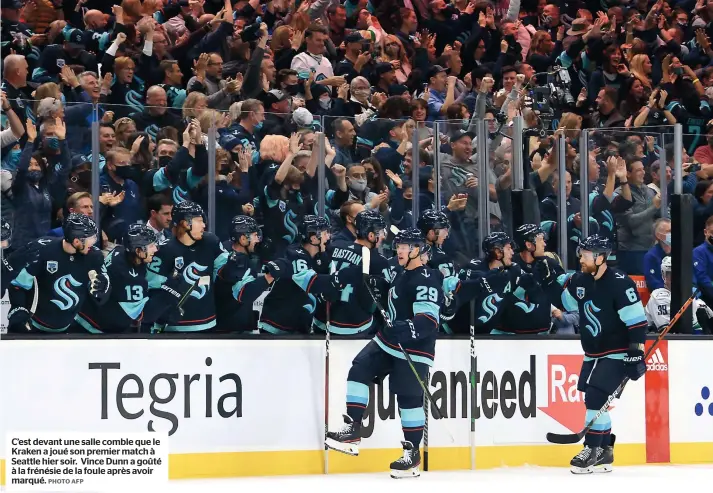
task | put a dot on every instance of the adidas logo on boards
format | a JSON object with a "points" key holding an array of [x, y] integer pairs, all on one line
{"points": [[656, 362]]}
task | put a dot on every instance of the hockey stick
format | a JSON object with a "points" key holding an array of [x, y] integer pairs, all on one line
{"points": [[365, 262], [426, 405], [576, 437], [199, 282], [472, 385], [326, 382]]}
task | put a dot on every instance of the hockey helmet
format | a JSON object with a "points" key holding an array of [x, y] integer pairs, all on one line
{"points": [[78, 227], [525, 233], [431, 220], [410, 236], [244, 225], [312, 225], [666, 267], [139, 236], [596, 244], [369, 221], [186, 211], [495, 240]]}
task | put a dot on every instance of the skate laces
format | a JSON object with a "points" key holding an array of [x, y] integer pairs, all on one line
{"points": [[585, 453], [346, 429], [407, 457]]}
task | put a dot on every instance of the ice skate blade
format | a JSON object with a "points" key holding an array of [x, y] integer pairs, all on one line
{"points": [[414, 472], [345, 448], [581, 470], [603, 468]]}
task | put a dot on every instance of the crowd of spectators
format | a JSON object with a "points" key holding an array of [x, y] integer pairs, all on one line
{"points": [[267, 80]]}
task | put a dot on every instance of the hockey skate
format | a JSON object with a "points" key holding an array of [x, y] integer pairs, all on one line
{"points": [[345, 440], [583, 462], [407, 465], [605, 458]]}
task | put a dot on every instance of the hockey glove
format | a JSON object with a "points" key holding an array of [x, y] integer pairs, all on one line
{"points": [[350, 275], [526, 281], [172, 295], [634, 361], [403, 331], [99, 286], [17, 320], [279, 268], [450, 308]]}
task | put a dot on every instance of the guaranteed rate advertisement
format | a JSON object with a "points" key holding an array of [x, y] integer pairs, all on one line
{"points": [[256, 407]]}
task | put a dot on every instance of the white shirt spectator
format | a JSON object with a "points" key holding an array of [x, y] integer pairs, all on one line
{"points": [[305, 62]]}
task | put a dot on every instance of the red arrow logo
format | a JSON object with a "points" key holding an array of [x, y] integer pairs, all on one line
{"points": [[565, 404]]}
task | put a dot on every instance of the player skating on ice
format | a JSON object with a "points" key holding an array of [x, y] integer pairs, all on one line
{"points": [[413, 307], [613, 330], [66, 270]]}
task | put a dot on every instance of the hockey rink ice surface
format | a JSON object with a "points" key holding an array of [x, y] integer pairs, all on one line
{"points": [[665, 478]]}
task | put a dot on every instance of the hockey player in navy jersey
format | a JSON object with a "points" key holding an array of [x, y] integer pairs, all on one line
{"points": [[129, 303], [290, 305], [195, 256], [509, 301], [66, 270], [414, 301], [613, 330], [530, 241], [352, 312], [239, 283], [435, 226]]}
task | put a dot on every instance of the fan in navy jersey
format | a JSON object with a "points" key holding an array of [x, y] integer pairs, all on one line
{"points": [[510, 301], [413, 305], [290, 305], [238, 284], [129, 303], [195, 256], [66, 270], [613, 330]]}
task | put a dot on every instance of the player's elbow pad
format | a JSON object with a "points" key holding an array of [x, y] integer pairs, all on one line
{"points": [[637, 333]]}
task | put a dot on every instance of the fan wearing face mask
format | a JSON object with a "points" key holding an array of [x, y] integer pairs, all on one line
{"points": [[120, 179], [40, 180], [356, 182]]}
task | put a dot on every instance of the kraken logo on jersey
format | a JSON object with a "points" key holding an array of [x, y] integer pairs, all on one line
{"points": [[489, 307], [525, 306], [52, 266], [63, 287], [191, 275], [590, 311], [392, 309], [580, 293], [290, 226]]}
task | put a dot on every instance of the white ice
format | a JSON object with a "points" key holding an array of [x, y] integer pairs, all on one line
{"points": [[633, 479]]}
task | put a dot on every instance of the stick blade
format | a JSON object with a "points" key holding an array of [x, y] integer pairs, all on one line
{"points": [[564, 439]]}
